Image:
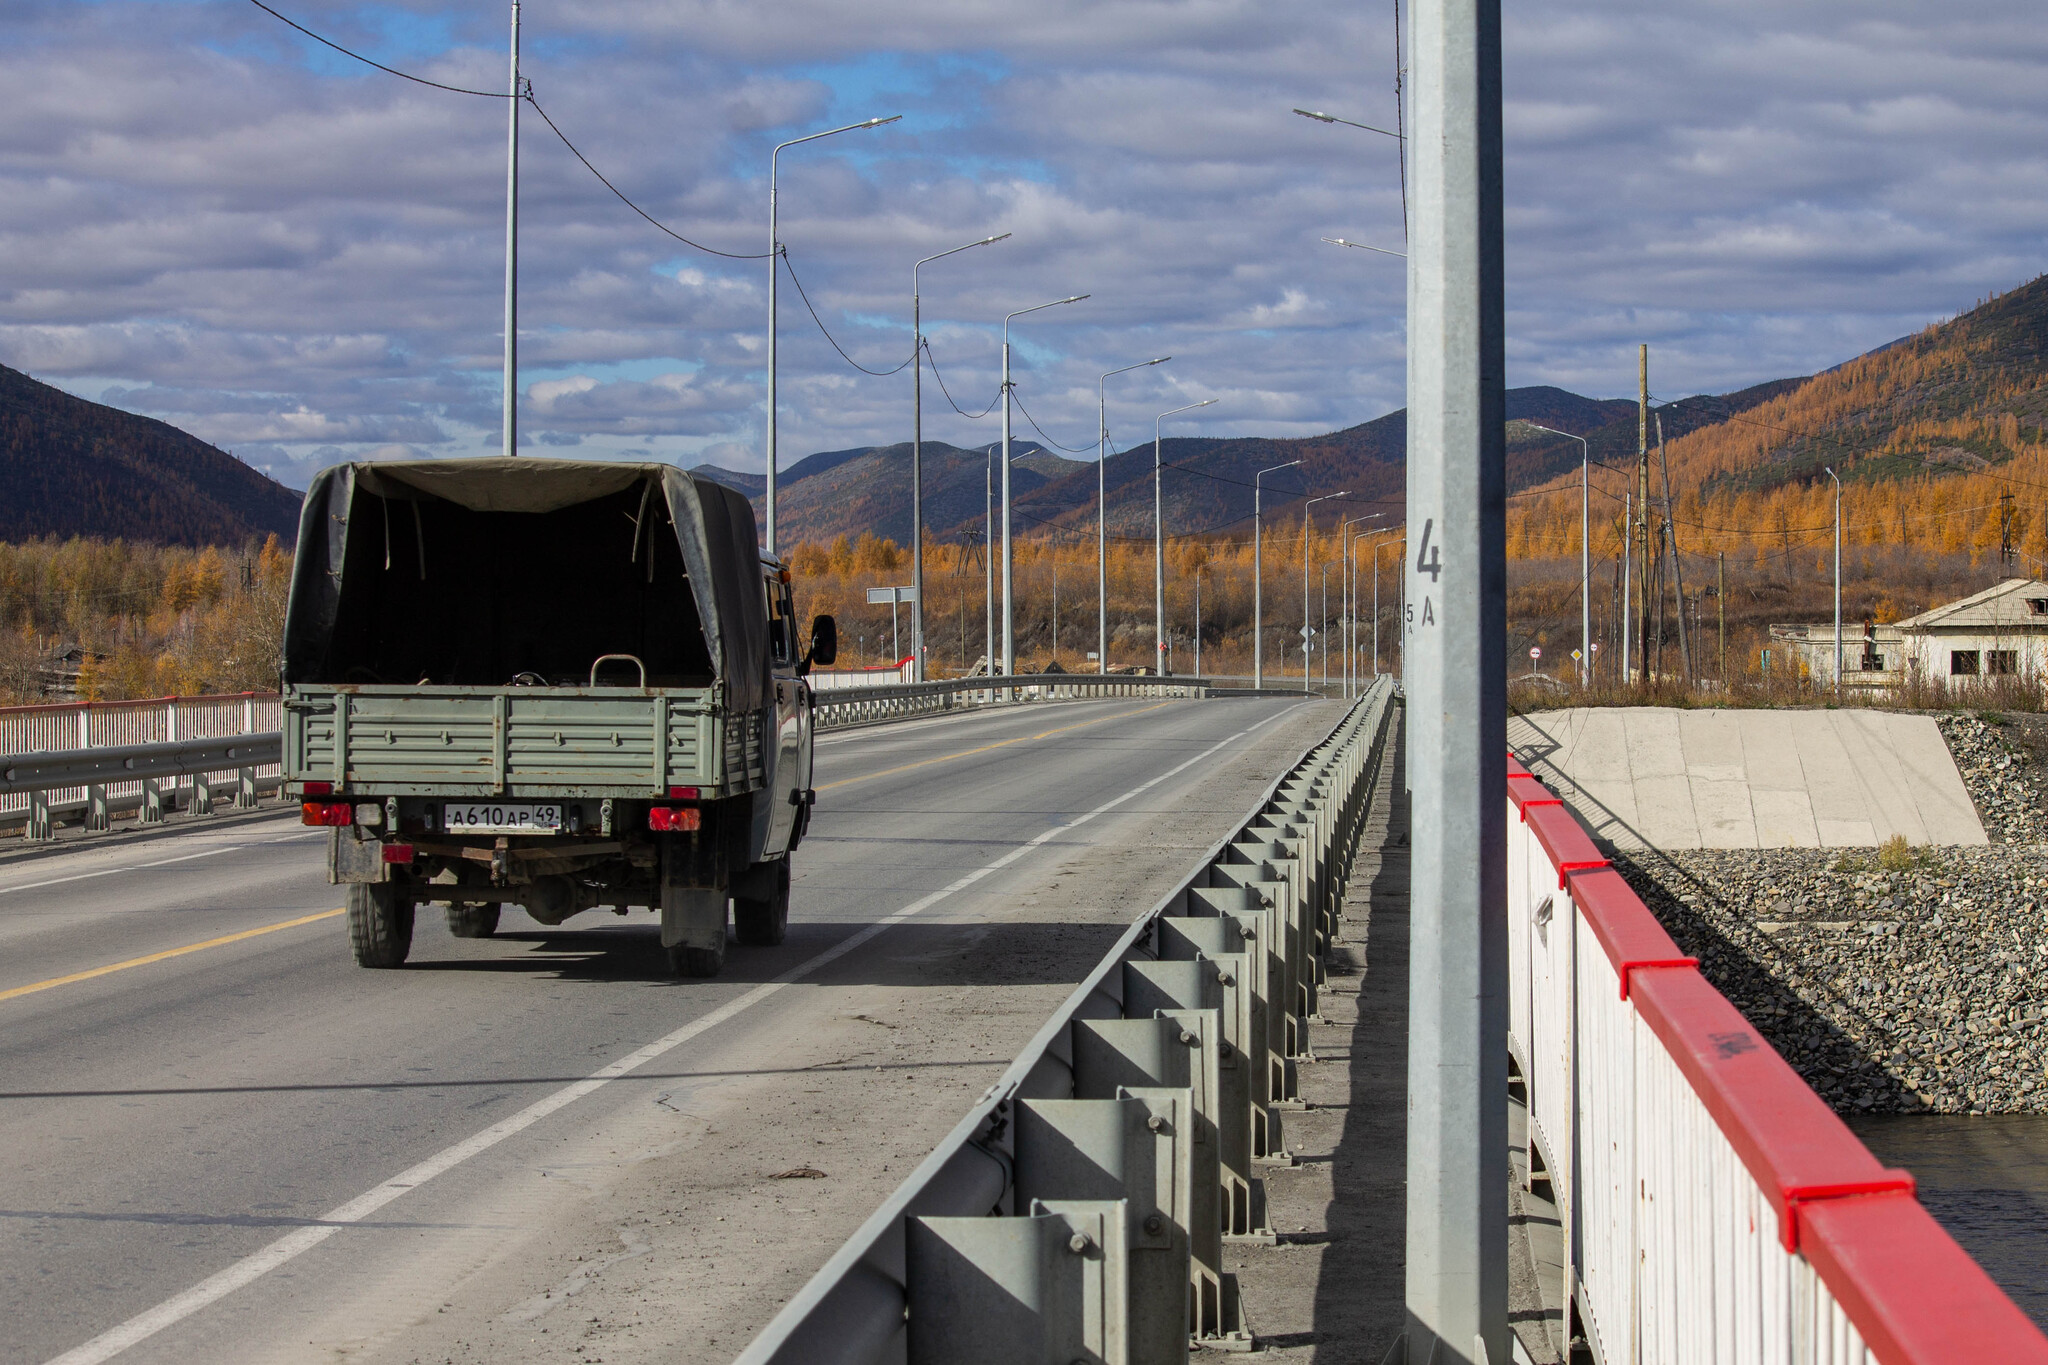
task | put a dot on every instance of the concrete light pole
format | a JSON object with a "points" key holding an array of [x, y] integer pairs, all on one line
{"points": [[1102, 513], [774, 276], [512, 247], [988, 560], [1159, 539], [1585, 551], [1456, 667], [1350, 581], [1306, 526], [1009, 602], [917, 455], [1259, 575], [1838, 580]]}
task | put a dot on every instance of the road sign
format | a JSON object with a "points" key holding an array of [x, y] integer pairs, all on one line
{"points": [[1576, 656], [891, 596], [1534, 652], [1307, 631]]}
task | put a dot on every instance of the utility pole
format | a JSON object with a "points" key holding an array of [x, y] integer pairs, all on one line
{"points": [[512, 248], [2005, 545], [1259, 575], [1198, 621], [988, 556], [1457, 1170], [1838, 580], [1721, 601], [1671, 542], [1643, 500], [1628, 561]]}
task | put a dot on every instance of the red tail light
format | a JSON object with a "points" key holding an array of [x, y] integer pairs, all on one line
{"points": [[327, 813], [667, 819], [319, 789], [398, 853], [682, 793]]}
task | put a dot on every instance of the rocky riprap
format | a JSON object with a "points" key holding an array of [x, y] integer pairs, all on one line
{"points": [[1889, 991], [2001, 775]]}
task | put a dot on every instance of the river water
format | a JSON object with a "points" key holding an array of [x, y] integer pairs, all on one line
{"points": [[1985, 1180]]}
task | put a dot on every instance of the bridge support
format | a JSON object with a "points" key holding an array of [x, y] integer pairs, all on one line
{"points": [[1457, 707]]}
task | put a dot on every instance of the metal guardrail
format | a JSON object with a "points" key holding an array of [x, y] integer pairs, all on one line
{"points": [[838, 707], [38, 775], [1079, 1211], [1713, 1206]]}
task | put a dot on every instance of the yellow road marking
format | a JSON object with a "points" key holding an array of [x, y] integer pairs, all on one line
{"points": [[167, 953], [966, 753]]}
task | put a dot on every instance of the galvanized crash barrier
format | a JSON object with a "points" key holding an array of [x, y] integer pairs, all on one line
{"points": [[1080, 1211], [39, 775], [840, 707]]}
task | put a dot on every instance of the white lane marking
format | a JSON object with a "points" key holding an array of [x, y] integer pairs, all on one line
{"points": [[160, 862], [986, 713], [253, 1267]]}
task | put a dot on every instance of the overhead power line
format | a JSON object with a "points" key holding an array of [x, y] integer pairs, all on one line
{"points": [[879, 374], [970, 416], [388, 70], [526, 95]]}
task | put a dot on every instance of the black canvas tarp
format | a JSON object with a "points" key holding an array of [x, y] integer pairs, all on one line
{"points": [[409, 534]]}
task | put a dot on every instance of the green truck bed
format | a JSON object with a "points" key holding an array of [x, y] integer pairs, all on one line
{"points": [[559, 742]]}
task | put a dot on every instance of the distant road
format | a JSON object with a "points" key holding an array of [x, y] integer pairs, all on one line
{"points": [[223, 1134]]}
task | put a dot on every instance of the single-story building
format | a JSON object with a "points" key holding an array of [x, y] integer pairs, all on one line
{"points": [[1999, 632]]}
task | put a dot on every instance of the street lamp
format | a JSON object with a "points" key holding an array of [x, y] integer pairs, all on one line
{"points": [[1159, 536], [1332, 118], [1102, 514], [774, 275], [1009, 605], [1585, 551], [1838, 579], [1259, 576], [917, 455], [1305, 524], [1349, 580], [1339, 241]]}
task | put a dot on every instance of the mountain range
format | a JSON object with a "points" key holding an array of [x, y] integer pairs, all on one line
{"points": [[1959, 397], [69, 467], [1207, 483]]}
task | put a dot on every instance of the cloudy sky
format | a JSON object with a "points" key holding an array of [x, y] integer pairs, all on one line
{"points": [[213, 220]]}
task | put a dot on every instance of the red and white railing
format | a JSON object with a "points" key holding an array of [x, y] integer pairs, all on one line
{"points": [[105, 724], [1715, 1209]]}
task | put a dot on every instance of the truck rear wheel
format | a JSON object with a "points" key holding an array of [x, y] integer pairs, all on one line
{"points": [[699, 962], [473, 921], [379, 924], [762, 923]]}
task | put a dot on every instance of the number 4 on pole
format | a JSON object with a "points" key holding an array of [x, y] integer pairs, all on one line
{"points": [[1427, 558]]}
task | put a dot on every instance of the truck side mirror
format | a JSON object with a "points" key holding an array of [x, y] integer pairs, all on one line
{"points": [[824, 643]]}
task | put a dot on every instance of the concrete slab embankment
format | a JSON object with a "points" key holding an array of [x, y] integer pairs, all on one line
{"points": [[1663, 778]]}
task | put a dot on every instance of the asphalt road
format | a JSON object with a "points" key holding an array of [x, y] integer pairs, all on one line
{"points": [[243, 1147]]}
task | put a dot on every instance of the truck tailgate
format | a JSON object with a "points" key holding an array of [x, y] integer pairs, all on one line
{"points": [[528, 741]]}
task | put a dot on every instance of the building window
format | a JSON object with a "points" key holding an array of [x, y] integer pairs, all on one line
{"points": [[2038, 605], [1873, 662], [2002, 662], [1962, 663]]}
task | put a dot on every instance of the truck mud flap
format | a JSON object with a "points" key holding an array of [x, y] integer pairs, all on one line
{"points": [[351, 858]]}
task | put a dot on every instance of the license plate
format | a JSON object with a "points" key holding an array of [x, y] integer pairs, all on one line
{"points": [[499, 817]]}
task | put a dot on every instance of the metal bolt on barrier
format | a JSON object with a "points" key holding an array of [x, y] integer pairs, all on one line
{"points": [[1129, 1133]]}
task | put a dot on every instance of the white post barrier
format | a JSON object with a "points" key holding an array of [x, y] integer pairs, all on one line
{"points": [[1714, 1208]]}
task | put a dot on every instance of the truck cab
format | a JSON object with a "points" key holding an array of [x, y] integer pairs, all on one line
{"points": [[556, 684]]}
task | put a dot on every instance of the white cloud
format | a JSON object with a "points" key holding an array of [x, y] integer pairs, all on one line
{"points": [[275, 250]]}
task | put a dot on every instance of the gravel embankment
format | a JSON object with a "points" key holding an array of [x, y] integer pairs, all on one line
{"points": [[2003, 774], [1902, 991], [1890, 992]]}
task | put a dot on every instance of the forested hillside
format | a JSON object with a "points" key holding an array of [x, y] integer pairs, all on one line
{"points": [[69, 467]]}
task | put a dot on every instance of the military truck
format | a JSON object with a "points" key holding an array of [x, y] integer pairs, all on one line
{"points": [[547, 683]]}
